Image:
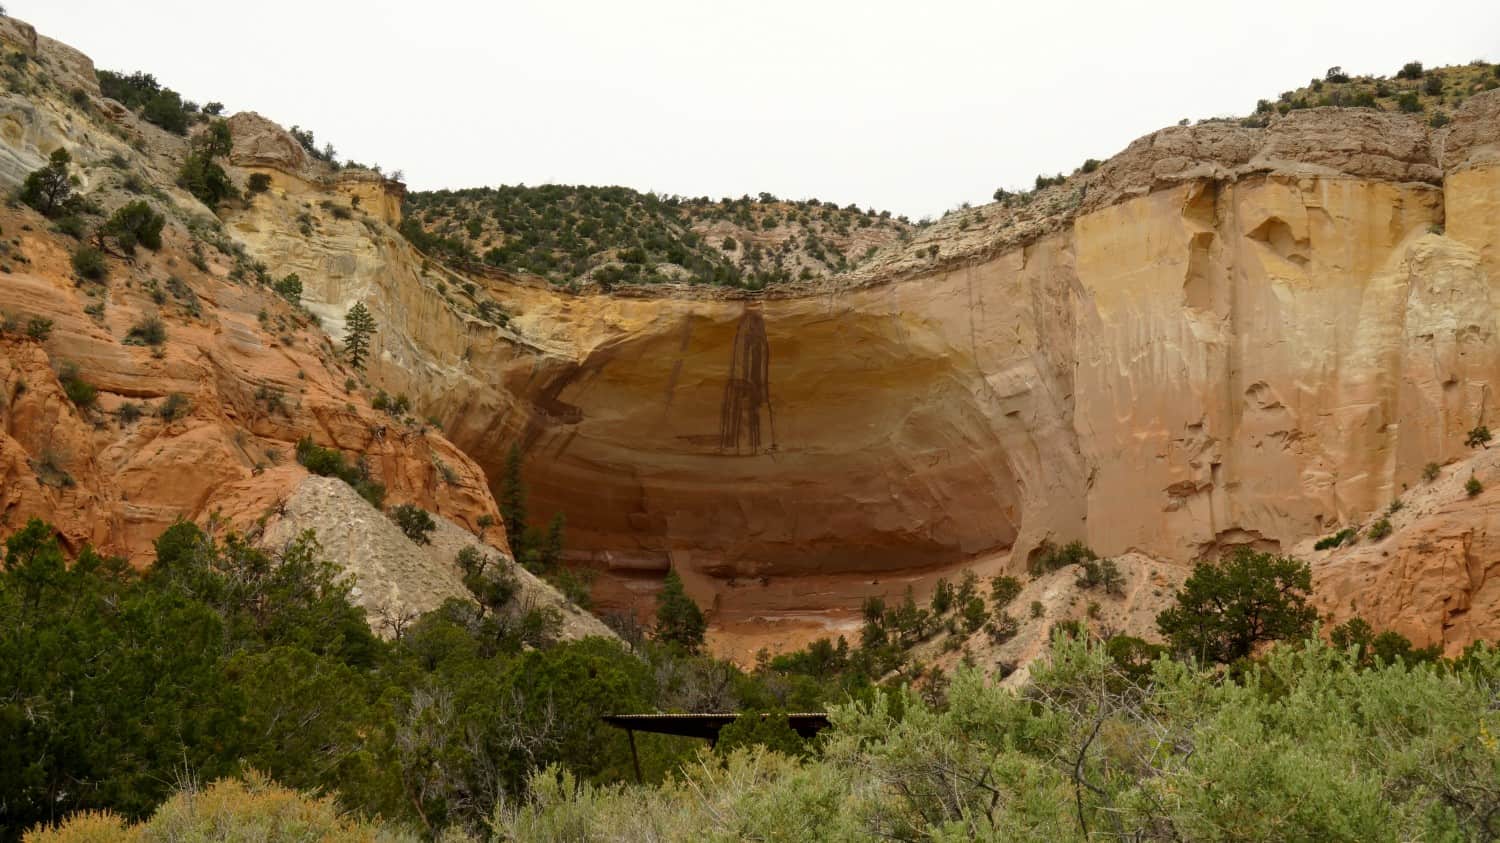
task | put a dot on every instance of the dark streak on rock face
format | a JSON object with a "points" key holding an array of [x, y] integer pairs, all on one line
{"points": [[748, 388]]}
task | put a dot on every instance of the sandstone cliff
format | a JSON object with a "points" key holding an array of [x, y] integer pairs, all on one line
{"points": [[1223, 335], [200, 424]]}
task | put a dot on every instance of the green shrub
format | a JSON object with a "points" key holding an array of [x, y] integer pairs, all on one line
{"points": [[259, 183], [88, 262], [1343, 536], [1101, 573], [289, 288], [50, 189], [1479, 437], [328, 462], [135, 223], [1431, 471], [1004, 589], [1379, 529], [415, 522], [39, 328], [82, 393], [1473, 487], [149, 331], [679, 621], [1227, 608], [1049, 557], [1409, 102], [174, 407], [1410, 70]]}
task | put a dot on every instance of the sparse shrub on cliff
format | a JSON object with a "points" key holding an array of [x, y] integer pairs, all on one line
{"points": [[415, 522], [88, 262], [1438, 120], [129, 413], [1004, 589], [132, 224], [175, 406], [1433, 85], [82, 393], [1227, 608], [50, 189], [942, 597], [1410, 70], [259, 183], [1101, 573], [39, 328], [1037, 609], [289, 288], [1049, 557], [1409, 102], [1336, 75], [1473, 486], [201, 174], [149, 331], [1479, 437], [1091, 165], [328, 462], [1396, 505], [1379, 529], [1431, 471], [1345, 535]]}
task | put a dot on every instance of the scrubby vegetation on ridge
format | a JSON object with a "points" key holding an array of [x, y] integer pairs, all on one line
{"points": [[615, 235], [1413, 89]]}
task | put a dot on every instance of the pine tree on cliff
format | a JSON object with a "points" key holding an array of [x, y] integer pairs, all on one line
{"points": [[513, 502], [679, 621], [359, 325]]}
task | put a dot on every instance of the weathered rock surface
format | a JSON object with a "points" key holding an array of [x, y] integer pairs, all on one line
{"points": [[1222, 336], [395, 577]]}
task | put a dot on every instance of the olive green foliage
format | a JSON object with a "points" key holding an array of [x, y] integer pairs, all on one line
{"points": [[39, 328], [329, 462], [289, 288], [1345, 536], [359, 325], [1103, 574], [1049, 557], [259, 183], [1479, 437], [223, 657], [1004, 589], [141, 92], [1412, 90], [201, 174], [615, 235], [1229, 607], [135, 223], [769, 729], [679, 621], [88, 262], [415, 522], [1312, 745], [50, 189], [1379, 529], [1431, 471], [79, 391], [1473, 487], [148, 331]]}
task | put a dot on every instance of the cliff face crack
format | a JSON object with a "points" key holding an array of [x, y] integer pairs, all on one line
{"points": [[747, 390]]}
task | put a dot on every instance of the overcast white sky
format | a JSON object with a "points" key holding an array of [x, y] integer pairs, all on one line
{"points": [[910, 106]]}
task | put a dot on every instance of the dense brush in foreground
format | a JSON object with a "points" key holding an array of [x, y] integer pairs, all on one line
{"points": [[1307, 745]]}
